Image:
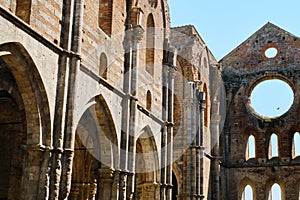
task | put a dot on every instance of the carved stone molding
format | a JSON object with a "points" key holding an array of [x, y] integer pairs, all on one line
{"points": [[106, 174]]}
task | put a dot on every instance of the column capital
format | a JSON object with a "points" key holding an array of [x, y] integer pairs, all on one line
{"points": [[138, 33], [106, 174]]}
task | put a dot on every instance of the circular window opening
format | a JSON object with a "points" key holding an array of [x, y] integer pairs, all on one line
{"points": [[271, 52], [271, 98]]}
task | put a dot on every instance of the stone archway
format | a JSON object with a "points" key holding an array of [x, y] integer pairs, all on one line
{"points": [[25, 125], [146, 166], [12, 136], [94, 173]]}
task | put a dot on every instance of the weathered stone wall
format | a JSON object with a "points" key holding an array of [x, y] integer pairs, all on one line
{"points": [[243, 69]]}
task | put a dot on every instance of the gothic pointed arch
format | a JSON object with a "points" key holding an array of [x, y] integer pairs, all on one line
{"points": [[275, 189], [247, 189], [96, 154], [18, 61], [150, 44], [146, 166], [273, 146], [250, 149], [25, 121]]}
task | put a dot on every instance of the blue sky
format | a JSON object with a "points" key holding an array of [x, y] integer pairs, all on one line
{"points": [[225, 24]]}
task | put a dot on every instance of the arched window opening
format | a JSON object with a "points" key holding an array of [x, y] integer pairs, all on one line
{"points": [[275, 193], [206, 107], [250, 152], [150, 43], [205, 64], [23, 10], [105, 16], [148, 100], [248, 193], [296, 145], [175, 187], [103, 66], [273, 146]]}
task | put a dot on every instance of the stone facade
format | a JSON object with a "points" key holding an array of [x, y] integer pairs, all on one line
{"points": [[104, 100], [243, 69]]}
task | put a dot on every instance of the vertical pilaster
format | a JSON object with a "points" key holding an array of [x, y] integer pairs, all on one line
{"points": [[105, 183], [190, 121], [163, 187], [123, 185], [164, 131], [137, 36], [35, 179], [171, 75], [202, 104], [215, 162]]}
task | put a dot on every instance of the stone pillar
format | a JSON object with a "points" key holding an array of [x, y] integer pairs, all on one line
{"points": [[105, 183], [163, 187], [66, 175], [137, 36], [171, 75], [125, 112], [115, 186], [35, 182], [55, 173], [200, 152], [164, 129], [190, 132], [83, 191], [45, 175], [215, 162], [75, 191], [123, 185]]}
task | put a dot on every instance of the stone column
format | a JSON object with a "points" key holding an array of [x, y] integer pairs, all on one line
{"points": [[125, 112], [163, 187], [164, 129], [123, 185], [190, 132], [200, 144], [215, 162], [83, 191], [147, 191], [137, 37], [45, 175], [105, 183], [171, 75], [75, 192], [35, 182], [115, 185], [92, 191]]}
